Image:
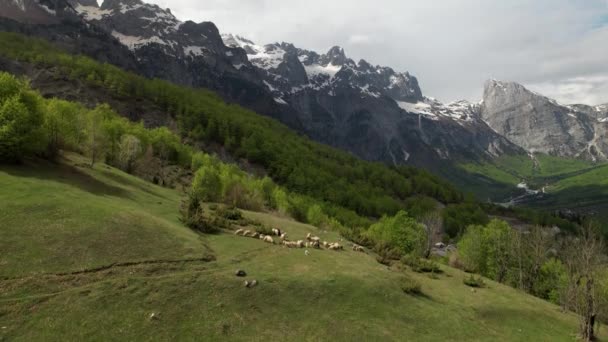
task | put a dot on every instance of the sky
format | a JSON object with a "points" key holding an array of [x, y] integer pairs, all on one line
{"points": [[556, 47]]}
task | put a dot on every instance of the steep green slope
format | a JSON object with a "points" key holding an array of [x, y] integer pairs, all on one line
{"points": [[66, 218], [505, 172], [585, 191]]}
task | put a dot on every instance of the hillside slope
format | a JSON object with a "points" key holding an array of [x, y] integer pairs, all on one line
{"points": [[141, 261]]}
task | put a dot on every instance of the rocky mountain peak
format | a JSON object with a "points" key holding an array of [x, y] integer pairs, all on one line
{"points": [[37, 11], [334, 56], [88, 3], [121, 4], [540, 124]]}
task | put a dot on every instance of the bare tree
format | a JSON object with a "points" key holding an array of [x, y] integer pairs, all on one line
{"points": [[433, 224], [583, 259]]}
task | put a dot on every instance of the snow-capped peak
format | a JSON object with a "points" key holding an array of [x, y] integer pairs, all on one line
{"points": [[461, 111], [266, 57]]}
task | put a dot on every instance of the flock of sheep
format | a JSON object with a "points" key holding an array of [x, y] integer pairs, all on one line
{"points": [[310, 242]]}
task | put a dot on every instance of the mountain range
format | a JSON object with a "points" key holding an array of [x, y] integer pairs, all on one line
{"points": [[374, 112]]}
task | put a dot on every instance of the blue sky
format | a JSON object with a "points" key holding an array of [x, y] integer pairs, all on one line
{"points": [[556, 47]]}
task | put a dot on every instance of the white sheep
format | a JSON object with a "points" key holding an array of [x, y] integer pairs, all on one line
{"points": [[306, 252], [300, 244], [268, 239], [358, 248], [283, 236], [335, 246], [238, 232], [311, 237]]}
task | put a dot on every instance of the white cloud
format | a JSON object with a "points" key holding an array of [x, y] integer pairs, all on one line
{"points": [[360, 39], [453, 46], [591, 90]]}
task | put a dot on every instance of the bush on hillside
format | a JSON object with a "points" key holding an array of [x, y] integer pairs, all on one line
{"points": [[21, 119], [399, 232], [487, 249], [474, 281], [410, 286], [421, 265], [230, 213], [192, 215]]}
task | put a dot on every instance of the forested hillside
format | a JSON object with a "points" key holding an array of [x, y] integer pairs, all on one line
{"points": [[370, 189]]}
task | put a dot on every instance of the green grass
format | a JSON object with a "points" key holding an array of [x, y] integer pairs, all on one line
{"points": [[63, 218], [586, 192], [85, 217]]}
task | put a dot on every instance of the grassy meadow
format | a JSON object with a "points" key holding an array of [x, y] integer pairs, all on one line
{"points": [[98, 255]]}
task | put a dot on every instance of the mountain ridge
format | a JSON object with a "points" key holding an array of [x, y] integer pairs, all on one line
{"points": [[375, 112]]}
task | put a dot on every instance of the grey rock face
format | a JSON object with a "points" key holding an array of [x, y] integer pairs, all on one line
{"points": [[372, 111], [539, 124]]}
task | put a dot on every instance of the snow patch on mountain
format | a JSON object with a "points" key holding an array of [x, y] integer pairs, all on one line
{"points": [[315, 70], [264, 57], [194, 50], [280, 101], [416, 108], [91, 13], [134, 42]]}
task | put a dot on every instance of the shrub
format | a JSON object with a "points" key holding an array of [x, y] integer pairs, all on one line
{"points": [[410, 286], [206, 185], [486, 249], [454, 261], [401, 232], [420, 265], [474, 281], [230, 213], [21, 120], [192, 215]]}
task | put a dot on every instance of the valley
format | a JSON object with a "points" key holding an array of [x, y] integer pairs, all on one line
{"points": [[165, 179], [103, 279]]}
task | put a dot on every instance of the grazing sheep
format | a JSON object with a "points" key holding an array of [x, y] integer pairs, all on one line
{"points": [[283, 236], [315, 244], [246, 283], [239, 232], [300, 244], [358, 248], [311, 237], [277, 232], [325, 244], [306, 252], [335, 246], [268, 239], [253, 283], [255, 235], [247, 232]]}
